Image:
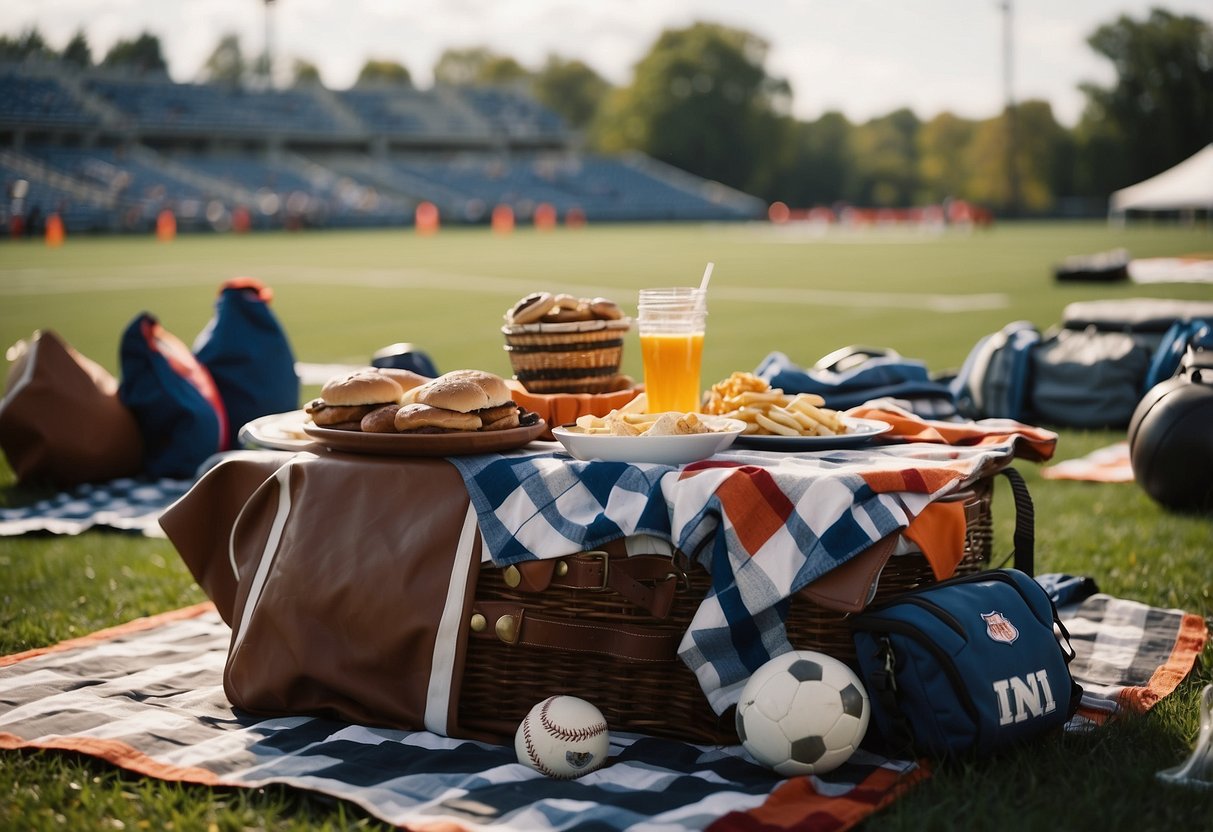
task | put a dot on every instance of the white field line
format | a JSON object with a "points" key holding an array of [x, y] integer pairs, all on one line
{"points": [[35, 282]]}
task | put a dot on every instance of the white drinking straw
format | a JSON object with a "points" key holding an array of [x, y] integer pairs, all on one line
{"points": [[707, 275]]}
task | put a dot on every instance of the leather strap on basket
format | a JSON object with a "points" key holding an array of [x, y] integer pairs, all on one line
{"points": [[532, 629], [600, 571]]}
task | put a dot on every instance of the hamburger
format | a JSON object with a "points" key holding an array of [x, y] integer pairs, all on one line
{"points": [[461, 400], [347, 399]]}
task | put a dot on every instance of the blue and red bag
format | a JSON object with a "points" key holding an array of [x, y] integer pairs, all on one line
{"points": [[247, 354], [174, 399], [969, 665]]}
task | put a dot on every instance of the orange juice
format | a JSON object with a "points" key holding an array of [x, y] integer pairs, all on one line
{"points": [[671, 370]]}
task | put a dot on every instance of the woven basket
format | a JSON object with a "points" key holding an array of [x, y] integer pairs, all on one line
{"points": [[576, 357], [500, 683]]}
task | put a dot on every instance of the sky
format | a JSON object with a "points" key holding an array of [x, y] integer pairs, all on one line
{"points": [[864, 58]]}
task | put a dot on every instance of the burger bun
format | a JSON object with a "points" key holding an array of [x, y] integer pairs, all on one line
{"points": [[464, 391]]}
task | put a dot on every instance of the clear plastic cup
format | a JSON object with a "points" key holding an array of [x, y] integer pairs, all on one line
{"points": [[671, 324]]}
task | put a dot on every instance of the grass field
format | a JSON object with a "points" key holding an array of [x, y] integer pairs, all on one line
{"points": [[340, 296]]}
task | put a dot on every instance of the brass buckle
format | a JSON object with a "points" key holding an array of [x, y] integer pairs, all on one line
{"points": [[606, 568], [679, 563]]}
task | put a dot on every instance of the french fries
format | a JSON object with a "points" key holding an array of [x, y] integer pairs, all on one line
{"points": [[770, 411], [624, 422]]}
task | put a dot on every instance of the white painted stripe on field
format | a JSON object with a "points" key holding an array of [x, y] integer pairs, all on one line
{"points": [[39, 282], [865, 300]]}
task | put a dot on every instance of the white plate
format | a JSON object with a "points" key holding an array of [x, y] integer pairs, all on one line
{"points": [[277, 432], [667, 450], [859, 432]]}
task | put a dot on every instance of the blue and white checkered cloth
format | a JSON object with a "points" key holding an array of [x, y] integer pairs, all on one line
{"points": [[130, 504], [762, 524]]}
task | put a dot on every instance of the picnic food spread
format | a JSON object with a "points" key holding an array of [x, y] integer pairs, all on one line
{"points": [[375, 401]]}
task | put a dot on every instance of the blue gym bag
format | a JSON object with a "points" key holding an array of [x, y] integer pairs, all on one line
{"points": [[972, 664], [248, 355]]}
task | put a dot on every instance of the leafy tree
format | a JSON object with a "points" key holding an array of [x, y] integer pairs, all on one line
{"points": [[886, 160], [570, 89], [811, 162], [476, 65], [943, 145], [502, 70], [1160, 111], [305, 74], [226, 65], [701, 100], [29, 43], [143, 54], [384, 71], [1040, 143], [78, 51]]}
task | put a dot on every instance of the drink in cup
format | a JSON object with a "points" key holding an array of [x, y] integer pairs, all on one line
{"points": [[671, 323]]}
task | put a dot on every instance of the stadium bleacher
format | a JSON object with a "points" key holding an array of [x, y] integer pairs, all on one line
{"points": [[110, 152]]}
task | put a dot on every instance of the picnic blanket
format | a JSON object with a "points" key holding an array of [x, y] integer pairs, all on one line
{"points": [[763, 524], [1111, 463], [148, 697], [130, 504]]}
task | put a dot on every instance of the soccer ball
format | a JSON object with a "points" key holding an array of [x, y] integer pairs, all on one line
{"points": [[802, 713]]}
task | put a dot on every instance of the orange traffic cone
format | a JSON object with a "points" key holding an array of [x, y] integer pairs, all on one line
{"points": [[545, 216], [55, 233], [574, 218], [503, 219], [166, 226], [426, 219]]}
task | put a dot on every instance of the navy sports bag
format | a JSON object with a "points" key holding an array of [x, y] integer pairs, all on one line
{"points": [[971, 664]]}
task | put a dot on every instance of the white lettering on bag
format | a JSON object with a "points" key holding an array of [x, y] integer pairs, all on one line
{"points": [[1023, 699]]}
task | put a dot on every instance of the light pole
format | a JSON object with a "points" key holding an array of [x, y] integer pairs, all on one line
{"points": [[267, 57], [1013, 194]]}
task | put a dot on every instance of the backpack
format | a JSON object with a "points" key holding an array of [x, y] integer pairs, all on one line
{"points": [[995, 378], [1090, 371]]}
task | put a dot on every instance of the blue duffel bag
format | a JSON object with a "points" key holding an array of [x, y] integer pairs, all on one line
{"points": [[972, 664]]}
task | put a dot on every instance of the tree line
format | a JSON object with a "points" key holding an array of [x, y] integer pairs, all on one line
{"points": [[703, 100]]}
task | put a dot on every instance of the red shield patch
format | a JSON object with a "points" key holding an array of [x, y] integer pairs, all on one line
{"points": [[999, 628]]}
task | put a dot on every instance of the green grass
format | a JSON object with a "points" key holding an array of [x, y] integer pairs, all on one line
{"points": [[343, 295]]}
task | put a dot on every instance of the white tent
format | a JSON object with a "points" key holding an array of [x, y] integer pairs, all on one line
{"points": [[1186, 187]]}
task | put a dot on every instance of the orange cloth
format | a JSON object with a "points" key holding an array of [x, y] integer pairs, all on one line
{"points": [[1031, 443], [939, 533]]}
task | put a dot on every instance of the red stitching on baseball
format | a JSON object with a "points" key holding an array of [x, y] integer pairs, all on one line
{"points": [[567, 733], [534, 755]]}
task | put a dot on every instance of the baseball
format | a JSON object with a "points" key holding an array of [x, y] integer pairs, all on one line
{"points": [[563, 737]]}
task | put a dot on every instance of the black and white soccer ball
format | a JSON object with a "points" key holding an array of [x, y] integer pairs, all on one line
{"points": [[802, 713]]}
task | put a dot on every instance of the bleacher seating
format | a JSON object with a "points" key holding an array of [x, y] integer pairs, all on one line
{"points": [[39, 101], [161, 104], [513, 113], [364, 156]]}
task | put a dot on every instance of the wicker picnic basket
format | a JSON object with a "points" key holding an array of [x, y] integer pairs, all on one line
{"points": [[502, 681], [572, 357]]}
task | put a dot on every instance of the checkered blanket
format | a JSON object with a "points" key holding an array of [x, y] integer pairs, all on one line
{"points": [[148, 696], [128, 504], [762, 524]]}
